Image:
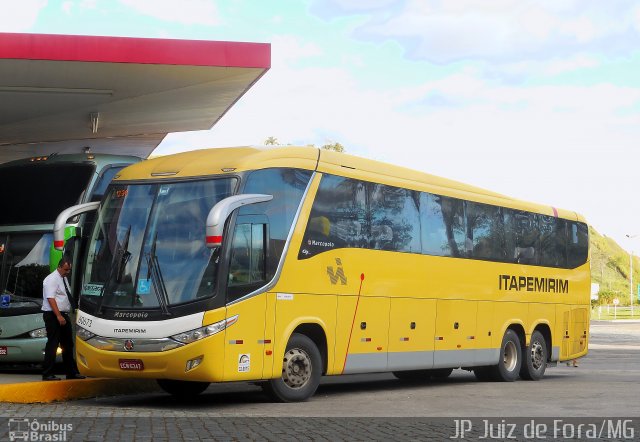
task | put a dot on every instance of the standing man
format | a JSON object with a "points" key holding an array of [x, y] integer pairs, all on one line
{"points": [[56, 304]]}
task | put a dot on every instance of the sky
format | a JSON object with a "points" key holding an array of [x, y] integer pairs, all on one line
{"points": [[539, 100]]}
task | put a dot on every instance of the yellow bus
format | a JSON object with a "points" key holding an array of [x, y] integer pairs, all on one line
{"points": [[286, 264]]}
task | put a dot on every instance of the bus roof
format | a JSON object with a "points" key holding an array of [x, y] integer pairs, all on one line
{"points": [[231, 160], [98, 158]]}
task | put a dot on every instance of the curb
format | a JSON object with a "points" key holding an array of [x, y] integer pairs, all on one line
{"points": [[65, 390]]}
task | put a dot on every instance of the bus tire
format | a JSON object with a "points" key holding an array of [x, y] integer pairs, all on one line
{"points": [[413, 375], [182, 389], [301, 371], [534, 362], [508, 368]]}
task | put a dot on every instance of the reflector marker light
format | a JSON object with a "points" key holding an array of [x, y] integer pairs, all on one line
{"points": [[264, 341], [439, 338], [61, 221], [236, 341], [365, 340], [471, 337], [214, 241], [404, 339], [221, 211]]}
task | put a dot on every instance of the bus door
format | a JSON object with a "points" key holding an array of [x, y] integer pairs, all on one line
{"points": [[245, 340], [76, 247]]}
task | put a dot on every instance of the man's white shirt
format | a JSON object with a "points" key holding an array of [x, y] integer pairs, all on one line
{"points": [[53, 287]]}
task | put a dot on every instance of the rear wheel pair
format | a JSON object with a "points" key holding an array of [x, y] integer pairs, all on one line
{"points": [[513, 363]]}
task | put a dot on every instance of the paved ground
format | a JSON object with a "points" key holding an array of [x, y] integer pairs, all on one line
{"points": [[379, 407]]}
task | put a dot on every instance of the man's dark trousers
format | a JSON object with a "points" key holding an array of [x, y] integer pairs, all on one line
{"points": [[58, 335]]}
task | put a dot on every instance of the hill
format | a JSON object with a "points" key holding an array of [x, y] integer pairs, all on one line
{"points": [[610, 269]]}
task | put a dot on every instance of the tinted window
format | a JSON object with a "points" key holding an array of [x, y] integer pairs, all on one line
{"points": [[522, 236], [443, 226], [37, 193], [103, 182], [485, 232], [553, 241], [338, 217], [395, 221], [247, 266], [25, 263], [352, 213], [287, 187], [578, 247]]}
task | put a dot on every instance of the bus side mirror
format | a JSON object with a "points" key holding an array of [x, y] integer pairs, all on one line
{"points": [[221, 211], [61, 221]]}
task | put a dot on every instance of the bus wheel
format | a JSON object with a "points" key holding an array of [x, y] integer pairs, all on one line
{"points": [[182, 389], [535, 361], [301, 371], [413, 375], [508, 367]]}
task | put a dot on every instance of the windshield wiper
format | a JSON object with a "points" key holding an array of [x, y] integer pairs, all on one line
{"points": [[120, 259], [155, 274]]}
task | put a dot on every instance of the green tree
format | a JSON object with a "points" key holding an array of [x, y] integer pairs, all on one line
{"points": [[271, 141], [337, 147]]}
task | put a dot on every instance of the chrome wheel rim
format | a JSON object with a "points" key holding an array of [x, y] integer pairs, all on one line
{"points": [[537, 355], [510, 359], [296, 368]]}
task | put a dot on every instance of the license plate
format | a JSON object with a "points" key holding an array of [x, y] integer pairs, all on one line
{"points": [[131, 364], [4, 351]]}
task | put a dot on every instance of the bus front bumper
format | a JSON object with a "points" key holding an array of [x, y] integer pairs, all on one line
{"points": [[199, 361]]}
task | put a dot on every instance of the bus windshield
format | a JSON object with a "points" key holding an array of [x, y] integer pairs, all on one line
{"points": [[25, 258], [36, 193], [148, 245]]}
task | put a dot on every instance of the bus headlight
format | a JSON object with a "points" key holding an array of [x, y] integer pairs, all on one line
{"points": [[203, 332], [83, 333], [38, 333]]}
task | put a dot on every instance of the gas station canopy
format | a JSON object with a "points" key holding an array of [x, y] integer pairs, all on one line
{"points": [[62, 93]]}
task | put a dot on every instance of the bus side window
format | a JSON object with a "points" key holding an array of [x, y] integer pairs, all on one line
{"points": [[578, 247], [395, 223], [553, 242], [247, 265], [443, 225], [525, 237], [485, 232]]}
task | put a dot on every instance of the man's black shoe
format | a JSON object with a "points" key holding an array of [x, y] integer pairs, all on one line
{"points": [[76, 376], [50, 378]]}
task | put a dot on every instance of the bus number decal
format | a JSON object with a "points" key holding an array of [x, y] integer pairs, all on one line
{"points": [[92, 289], [85, 322], [244, 363]]}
